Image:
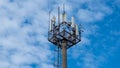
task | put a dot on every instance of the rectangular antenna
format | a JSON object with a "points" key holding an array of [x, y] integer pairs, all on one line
{"points": [[50, 27], [58, 15], [63, 8]]}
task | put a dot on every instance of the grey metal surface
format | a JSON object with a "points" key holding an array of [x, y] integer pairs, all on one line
{"points": [[64, 54]]}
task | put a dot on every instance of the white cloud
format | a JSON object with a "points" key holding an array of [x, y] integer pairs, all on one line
{"points": [[89, 11], [93, 11], [47, 65], [21, 43], [91, 61], [89, 16]]}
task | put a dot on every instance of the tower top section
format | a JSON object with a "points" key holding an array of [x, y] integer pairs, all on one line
{"points": [[63, 30]]}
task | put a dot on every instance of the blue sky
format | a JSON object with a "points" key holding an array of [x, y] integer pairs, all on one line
{"points": [[24, 26]]}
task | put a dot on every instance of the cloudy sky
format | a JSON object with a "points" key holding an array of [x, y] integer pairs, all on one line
{"points": [[24, 27]]}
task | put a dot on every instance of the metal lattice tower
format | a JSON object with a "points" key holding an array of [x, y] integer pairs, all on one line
{"points": [[57, 57], [64, 35]]}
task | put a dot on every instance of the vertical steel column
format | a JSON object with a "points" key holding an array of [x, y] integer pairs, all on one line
{"points": [[64, 54]]}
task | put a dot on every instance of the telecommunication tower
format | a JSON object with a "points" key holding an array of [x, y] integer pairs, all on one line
{"points": [[64, 34]]}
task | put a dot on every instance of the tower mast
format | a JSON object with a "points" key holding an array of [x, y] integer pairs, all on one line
{"points": [[64, 35]]}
